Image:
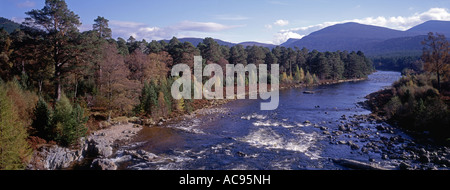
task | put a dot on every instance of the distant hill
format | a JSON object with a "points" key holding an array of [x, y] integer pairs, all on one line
{"points": [[8, 25], [348, 36], [289, 42], [398, 46], [245, 44], [372, 40], [442, 27], [196, 41]]}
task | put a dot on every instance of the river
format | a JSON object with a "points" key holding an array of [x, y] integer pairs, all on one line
{"points": [[303, 133]]}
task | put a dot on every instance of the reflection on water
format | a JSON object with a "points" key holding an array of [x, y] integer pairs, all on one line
{"points": [[287, 138], [158, 140]]}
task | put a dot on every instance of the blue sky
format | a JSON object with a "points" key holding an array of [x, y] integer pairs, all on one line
{"points": [[268, 21]]}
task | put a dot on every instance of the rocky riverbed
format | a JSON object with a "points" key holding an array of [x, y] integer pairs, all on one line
{"points": [[105, 148], [386, 145], [327, 130], [374, 143]]}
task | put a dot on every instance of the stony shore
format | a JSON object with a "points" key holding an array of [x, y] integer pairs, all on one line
{"points": [[99, 145], [97, 150], [386, 145]]}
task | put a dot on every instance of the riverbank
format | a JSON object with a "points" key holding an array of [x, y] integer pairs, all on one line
{"points": [[99, 149], [387, 146], [321, 83], [93, 148], [421, 151]]}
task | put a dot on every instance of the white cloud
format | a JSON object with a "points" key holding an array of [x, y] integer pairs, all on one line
{"points": [[202, 26], [18, 20], [405, 23], [282, 37], [149, 29], [398, 23], [281, 22], [268, 26], [138, 30], [26, 4], [143, 31], [126, 24]]}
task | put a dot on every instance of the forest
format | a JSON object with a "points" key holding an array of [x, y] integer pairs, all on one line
{"points": [[57, 83], [398, 62]]}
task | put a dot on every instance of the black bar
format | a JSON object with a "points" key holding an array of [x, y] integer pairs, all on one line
{"points": [[238, 179]]}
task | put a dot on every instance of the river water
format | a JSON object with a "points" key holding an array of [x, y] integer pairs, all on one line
{"points": [[296, 136]]}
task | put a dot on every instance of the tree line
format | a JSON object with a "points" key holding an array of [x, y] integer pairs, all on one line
{"points": [[55, 77]]}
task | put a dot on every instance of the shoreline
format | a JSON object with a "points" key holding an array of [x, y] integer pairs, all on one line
{"points": [[93, 151], [325, 83], [394, 152]]}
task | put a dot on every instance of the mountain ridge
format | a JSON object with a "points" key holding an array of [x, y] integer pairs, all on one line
{"points": [[373, 40], [8, 25], [350, 36]]}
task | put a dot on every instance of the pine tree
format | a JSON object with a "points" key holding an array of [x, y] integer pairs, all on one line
{"points": [[79, 128], [152, 98], [210, 50], [148, 100], [122, 47], [238, 55], [166, 90], [61, 27], [102, 28], [69, 122], [14, 148], [42, 120]]}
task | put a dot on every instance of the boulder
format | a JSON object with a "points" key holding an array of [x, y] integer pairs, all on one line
{"points": [[342, 142], [342, 128], [148, 122], [337, 133], [353, 145], [103, 164], [353, 164], [104, 150], [54, 157], [95, 147]]}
